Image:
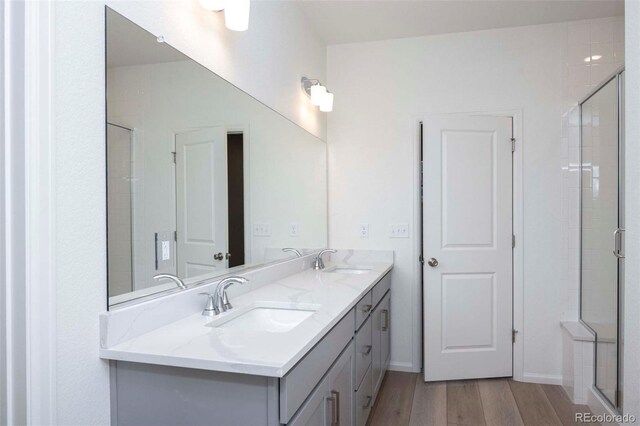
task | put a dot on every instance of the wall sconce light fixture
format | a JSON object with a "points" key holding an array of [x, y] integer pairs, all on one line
{"points": [[319, 94], [236, 12]]}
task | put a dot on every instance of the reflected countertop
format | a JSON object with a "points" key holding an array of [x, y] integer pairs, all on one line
{"points": [[191, 343]]}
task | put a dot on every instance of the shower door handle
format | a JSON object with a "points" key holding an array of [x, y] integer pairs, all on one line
{"points": [[617, 243]]}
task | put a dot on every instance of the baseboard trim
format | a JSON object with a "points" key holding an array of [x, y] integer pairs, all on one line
{"points": [[543, 379], [405, 367]]}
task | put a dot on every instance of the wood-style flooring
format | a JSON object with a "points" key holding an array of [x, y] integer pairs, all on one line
{"points": [[405, 399]]}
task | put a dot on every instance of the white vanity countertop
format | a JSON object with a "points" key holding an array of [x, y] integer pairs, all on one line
{"points": [[191, 343]]}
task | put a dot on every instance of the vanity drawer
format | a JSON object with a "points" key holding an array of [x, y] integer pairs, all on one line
{"points": [[296, 386], [364, 349], [363, 309], [380, 289], [363, 400]]}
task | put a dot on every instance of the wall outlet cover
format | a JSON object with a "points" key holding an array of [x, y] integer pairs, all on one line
{"points": [[294, 229], [363, 230]]}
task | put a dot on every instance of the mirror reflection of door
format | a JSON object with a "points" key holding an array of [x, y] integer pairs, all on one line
{"points": [[201, 195]]}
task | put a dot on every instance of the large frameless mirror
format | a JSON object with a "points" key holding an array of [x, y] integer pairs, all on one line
{"points": [[203, 179], [602, 230]]}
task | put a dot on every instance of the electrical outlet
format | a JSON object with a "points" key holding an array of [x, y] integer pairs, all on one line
{"points": [[294, 229], [399, 230], [363, 230], [261, 230]]}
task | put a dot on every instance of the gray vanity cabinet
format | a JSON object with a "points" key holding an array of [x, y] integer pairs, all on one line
{"points": [[331, 402], [335, 383]]}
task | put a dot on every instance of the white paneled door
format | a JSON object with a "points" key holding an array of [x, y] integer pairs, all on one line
{"points": [[467, 182], [201, 192]]}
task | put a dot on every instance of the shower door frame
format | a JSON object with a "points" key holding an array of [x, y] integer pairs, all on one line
{"points": [[617, 76]]}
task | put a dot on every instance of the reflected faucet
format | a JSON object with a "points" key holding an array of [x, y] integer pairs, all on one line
{"points": [[292, 250], [171, 277], [318, 264]]}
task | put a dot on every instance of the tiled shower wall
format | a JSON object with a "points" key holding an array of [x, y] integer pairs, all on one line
{"points": [[594, 50]]}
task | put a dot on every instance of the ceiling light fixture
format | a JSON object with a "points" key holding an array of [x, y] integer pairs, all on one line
{"points": [[236, 12], [319, 94]]}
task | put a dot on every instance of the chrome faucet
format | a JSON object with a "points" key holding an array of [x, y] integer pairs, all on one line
{"points": [[292, 250], [171, 277], [317, 262], [218, 302]]}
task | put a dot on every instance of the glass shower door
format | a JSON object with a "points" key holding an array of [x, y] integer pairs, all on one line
{"points": [[602, 231]]}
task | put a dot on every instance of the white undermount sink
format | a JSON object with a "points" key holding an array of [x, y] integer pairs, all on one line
{"points": [[266, 317], [348, 270]]}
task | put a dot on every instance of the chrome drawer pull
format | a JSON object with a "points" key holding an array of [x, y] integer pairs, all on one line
{"points": [[335, 408], [367, 349], [385, 324], [366, 308]]}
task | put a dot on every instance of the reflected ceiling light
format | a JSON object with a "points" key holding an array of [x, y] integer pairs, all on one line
{"points": [[236, 15], [592, 58], [236, 12], [318, 93], [212, 5]]}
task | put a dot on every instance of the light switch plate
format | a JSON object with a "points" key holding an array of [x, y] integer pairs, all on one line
{"points": [[166, 250], [165, 246], [363, 230], [399, 230], [261, 230], [294, 229]]}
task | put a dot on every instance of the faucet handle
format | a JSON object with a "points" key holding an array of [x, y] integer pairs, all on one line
{"points": [[210, 309]]}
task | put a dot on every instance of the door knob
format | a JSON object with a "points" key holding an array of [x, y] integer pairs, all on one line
{"points": [[433, 262], [218, 256]]}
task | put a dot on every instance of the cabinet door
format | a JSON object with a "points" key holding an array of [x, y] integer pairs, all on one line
{"points": [[330, 404], [340, 402], [385, 311], [376, 340]]}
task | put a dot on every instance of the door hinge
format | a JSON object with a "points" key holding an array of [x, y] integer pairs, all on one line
{"points": [[173, 153], [175, 236], [513, 335], [421, 259], [513, 144], [513, 241]]}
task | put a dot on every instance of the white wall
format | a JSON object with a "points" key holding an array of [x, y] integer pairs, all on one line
{"points": [[382, 89], [631, 386], [267, 61]]}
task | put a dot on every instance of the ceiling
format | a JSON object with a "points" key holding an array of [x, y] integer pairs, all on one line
{"points": [[352, 21], [128, 44]]}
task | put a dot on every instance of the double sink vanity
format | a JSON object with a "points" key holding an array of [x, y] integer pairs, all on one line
{"points": [[221, 309], [299, 346]]}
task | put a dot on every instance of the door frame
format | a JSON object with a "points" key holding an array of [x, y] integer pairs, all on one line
{"points": [[518, 230]]}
